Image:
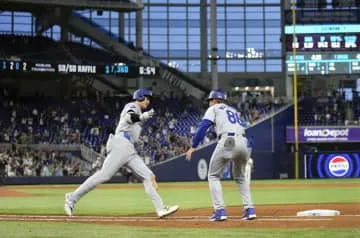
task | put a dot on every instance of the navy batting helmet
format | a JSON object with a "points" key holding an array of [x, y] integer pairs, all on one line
{"points": [[141, 93], [217, 94]]}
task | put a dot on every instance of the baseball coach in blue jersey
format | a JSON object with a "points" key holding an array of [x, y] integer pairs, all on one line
{"points": [[231, 145]]}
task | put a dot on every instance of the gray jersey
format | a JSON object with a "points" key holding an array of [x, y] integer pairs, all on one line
{"points": [[225, 118], [126, 125]]}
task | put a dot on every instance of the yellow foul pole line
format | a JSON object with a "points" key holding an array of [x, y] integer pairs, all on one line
{"points": [[293, 5]]}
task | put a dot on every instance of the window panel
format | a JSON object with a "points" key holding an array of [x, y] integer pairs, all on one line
{"points": [[255, 45], [158, 31], [273, 23], [234, 1], [178, 32], [158, 1], [158, 53], [221, 66], [272, 38], [177, 12], [254, 31], [255, 23], [194, 24], [22, 19], [272, 1], [24, 14], [255, 65], [235, 24], [180, 64], [56, 29], [177, 46], [273, 53], [235, 65], [254, 13], [273, 66], [194, 13], [254, 39], [154, 45], [56, 36], [22, 28], [254, 1], [194, 53], [273, 45], [158, 12], [174, 39], [194, 66], [177, 53], [273, 31]]}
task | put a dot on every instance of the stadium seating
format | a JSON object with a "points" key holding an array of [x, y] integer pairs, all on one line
{"points": [[46, 49], [86, 121], [327, 110]]}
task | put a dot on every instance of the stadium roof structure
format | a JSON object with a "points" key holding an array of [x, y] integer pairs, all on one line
{"points": [[31, 5]]}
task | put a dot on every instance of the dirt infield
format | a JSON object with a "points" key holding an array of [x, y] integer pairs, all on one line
{"points": [[279, 216], [4, 192], [269, 216]]}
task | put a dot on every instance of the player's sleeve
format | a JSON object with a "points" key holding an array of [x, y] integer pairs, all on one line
{"points": [[200, 132], [210, 114], [132, 115]]}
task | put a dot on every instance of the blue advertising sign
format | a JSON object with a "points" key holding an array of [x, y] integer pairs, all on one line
{"points": [[313, 134], [333, 165]]}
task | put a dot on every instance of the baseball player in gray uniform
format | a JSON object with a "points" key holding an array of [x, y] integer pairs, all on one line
{"points": [[232, 145], [121, 152]]}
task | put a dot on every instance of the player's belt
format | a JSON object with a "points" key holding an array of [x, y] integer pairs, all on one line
{"points": [[230, 134], [126, 135]]}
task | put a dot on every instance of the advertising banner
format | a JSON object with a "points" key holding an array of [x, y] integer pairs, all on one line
{"points": [[332, 165], [321, 134]]}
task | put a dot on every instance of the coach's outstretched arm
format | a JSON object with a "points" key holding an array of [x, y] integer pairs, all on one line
{"points": [[199, 136]]}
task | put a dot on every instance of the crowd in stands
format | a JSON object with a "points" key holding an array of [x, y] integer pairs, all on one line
{"points": [[331, 108], [25, 161], [85, 120]]}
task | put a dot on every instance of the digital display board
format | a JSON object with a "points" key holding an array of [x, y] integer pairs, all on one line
{"points": [[324, 42], [321, 4], [325, 16], [118, 69], [323, 63], [324, 134], [332, 165]]}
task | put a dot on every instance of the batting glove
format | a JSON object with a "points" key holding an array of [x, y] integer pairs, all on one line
{"points": [[147, 115]]}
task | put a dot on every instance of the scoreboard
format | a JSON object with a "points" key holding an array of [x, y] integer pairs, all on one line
{"points": [[117, 69], [323, 49], [324, 42], [309, 63]]}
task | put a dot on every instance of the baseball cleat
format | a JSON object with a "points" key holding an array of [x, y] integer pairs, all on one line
{"points": [[219, 215], [69, 204], [167, 210], [249, 214]]}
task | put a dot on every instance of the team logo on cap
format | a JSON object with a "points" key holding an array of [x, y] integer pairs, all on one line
{"points": [[338, 166]]}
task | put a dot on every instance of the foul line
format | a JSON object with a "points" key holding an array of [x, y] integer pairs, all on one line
{"points": [[147, 219]]}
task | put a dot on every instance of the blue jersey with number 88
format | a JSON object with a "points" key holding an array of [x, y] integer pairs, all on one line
{"points": [[225, 118]]}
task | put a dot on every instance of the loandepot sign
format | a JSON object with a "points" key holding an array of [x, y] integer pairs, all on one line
{"points": [[323, 134]]}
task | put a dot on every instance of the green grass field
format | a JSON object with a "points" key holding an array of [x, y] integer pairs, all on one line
{"points": [[112, 200]]}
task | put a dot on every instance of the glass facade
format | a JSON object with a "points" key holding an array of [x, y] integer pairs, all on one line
{"points": [[248, 32]]}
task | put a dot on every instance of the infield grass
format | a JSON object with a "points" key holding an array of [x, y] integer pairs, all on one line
{"points": [[124, 199], [61, 230]]}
